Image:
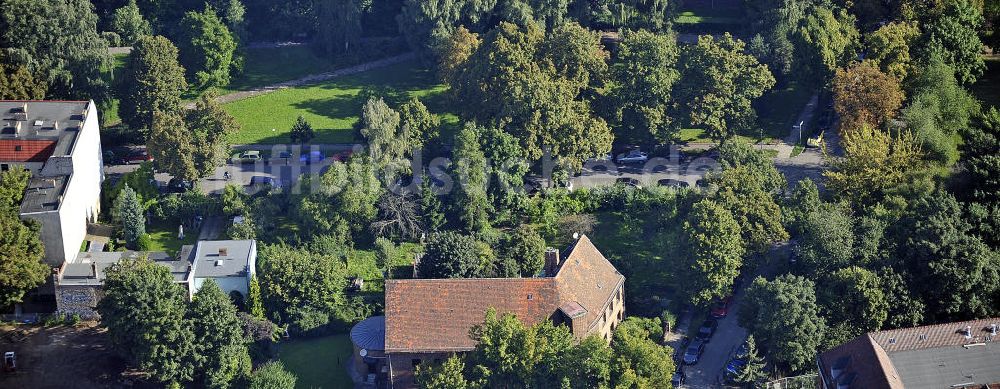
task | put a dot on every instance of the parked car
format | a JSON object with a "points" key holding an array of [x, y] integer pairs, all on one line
{"points": [[679, 378], [9, 361], [634, 156], [694, 351], [721, 308], [707, 329], [672, 183], [177, 185], [629, 181], [311, 157], [262, 181], [137, 155], [741, 351], [734, 368], [342, 156], [283, 156], [249, 156]]}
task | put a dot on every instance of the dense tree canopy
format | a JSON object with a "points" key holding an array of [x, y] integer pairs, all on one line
{"points": [[220, 351], [783, 315], [152, 81], [863, 95], [450, 255], [644, 73], [950, 32], [21, 250], [207, 48], [714, 243]]}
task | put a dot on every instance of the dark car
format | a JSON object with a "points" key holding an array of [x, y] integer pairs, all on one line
{"points": [[721, 308], [282, 157], [670, 182], [136, 156], [628, 181], [177, 185], [734, 368], [311, 157], [678, 378], [259, 181], [741, 351], [707, 329], [694, 350]]}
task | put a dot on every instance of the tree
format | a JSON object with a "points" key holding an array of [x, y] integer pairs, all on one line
{"points": [[255, 303], [644, 74], [21, 266], [144, 312], [470, 201], [826, 240], [510, 354], [302, 131], [524, 247], [713, 241], [825, 40], [153, 81], [853, 298], [981, 154], [347, 199], [514, 81], [220, 355], [640, 360], [449, 255], [57, 41], [939, 110], [431, 209], [17, 83], [210, 126], [951, 269], [338, 25], [207, 48], [874, 162], [889, 47], [272, 375], [782, 314], [804, 200], [454, 51], [418, 124], [294, 280], [13, 183], [447, 375], [742, 190], [397, 217], [753, 371], [130, 214], [380, 127], [863, 95], [949, 33], [128, 23], [719, 82]]}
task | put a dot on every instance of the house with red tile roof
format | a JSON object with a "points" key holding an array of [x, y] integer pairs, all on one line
{"points": [[59, 142], [428, 320], [953, 355]]}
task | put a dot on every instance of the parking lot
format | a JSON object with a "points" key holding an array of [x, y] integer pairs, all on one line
{"points": [[707, 373]]}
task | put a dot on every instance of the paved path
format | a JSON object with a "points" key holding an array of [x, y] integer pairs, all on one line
{"points": [[310, 79], [707, 373], [120, 50]]}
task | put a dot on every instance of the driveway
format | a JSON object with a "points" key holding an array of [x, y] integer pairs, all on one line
{"points": [[707, 373]]}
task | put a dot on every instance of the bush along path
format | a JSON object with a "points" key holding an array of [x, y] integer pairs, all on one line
{"points": [[310, 79]]}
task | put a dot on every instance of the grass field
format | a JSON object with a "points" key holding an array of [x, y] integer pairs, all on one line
{"points": [[777, 111], [987, 88], [722, 16], [318, 362], [165, 239], [333, 107]]}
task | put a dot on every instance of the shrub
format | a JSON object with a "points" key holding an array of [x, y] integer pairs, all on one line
{"points": [[114, 40], [144, 243]]}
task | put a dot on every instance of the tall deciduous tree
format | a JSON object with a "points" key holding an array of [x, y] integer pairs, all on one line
{"points": [[782, 314], [129, 24], [448, 375], [826, 240], [640, 360], [450, 255], [152, 81], [130, 214], [940, 109], [58, 41], [951, 33], [17, 82], [207, 48], [874, 162], [453, 51], [380, 126], [644, 73], [825, 40], [852, 297], [470, 202], [210, 126], [890, 47], [526, 248], [713, 241], [338, 25], [144, 311], [221, 355], [863, 95], [21, 250], [293, 280], [719, 82]]}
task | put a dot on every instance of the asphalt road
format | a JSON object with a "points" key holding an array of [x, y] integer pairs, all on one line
{"points": [[707, 373]]}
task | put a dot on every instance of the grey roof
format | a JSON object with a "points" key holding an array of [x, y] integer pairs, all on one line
{"points": [[221, 258], [945, 367], [44, 194], [369, 334], [89, 268]]}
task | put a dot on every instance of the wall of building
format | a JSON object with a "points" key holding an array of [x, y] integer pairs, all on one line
{"points": [[403, 367], [227, 284], [79, 300], [51, 234], [612, 316]]}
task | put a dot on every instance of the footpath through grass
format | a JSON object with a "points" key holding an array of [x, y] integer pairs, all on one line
{"points": [[318, 362], [333, 107]]}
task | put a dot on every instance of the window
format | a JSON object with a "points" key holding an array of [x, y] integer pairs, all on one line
{"points": [[17, 148]]}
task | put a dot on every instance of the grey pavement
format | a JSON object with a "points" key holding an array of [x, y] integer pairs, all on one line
{"points": [[212, 228], [707, 373]]}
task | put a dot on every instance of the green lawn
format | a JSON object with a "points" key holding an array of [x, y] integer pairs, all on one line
{"points": [[266, 66], [332, 107], [361, 263], [318, 362], [778, 110], [109, 113], [164, 238], [706, 16], [987, 88]]}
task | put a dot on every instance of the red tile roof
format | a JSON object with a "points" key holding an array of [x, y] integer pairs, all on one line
{"points": [[19, 150], [434, 315]]}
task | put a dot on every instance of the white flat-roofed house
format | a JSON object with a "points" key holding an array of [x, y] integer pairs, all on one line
{"points": [[60, 143], [230, 263]]}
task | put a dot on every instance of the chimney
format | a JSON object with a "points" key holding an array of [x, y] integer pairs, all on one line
{"points": [[93, 268], [551, 262], [223, 251]]}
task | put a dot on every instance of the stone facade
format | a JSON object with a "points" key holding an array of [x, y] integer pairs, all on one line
{"points": [[79, 300]]}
